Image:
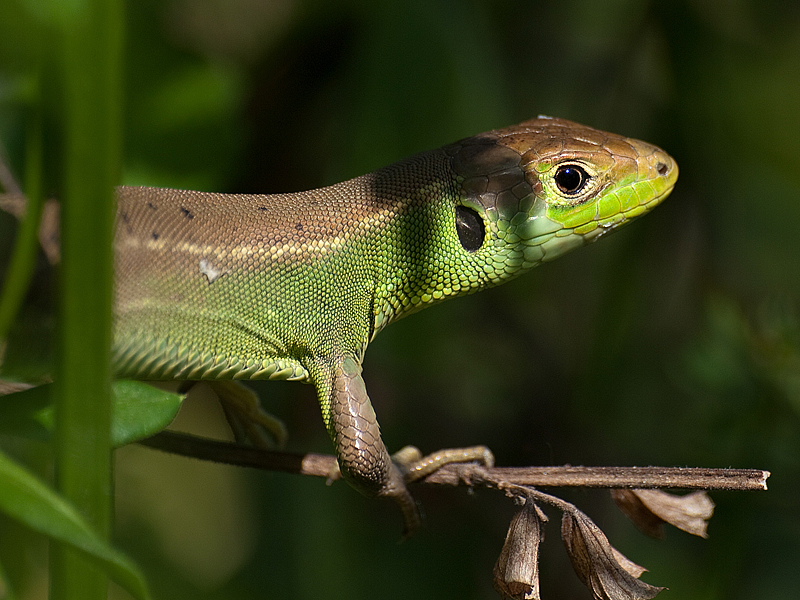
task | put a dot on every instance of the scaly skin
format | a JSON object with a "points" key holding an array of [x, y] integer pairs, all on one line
{"points": [[294, 286]]}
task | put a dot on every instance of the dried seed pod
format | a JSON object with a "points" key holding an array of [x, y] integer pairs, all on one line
{"points": [[602, 568], [516, 572], [649, 509]]}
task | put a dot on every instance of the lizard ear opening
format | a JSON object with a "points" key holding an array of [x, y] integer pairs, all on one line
{"points": [[470, 228]]}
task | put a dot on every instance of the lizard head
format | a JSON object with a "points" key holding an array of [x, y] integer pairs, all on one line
{"points": [[533, 191]]}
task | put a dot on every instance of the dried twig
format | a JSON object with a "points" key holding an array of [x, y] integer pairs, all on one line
{"points": [[607, 573], [698, 478], [321, 465]]}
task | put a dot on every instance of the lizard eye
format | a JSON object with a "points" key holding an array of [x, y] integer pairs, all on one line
{"points": [[571, 179], [470, 228]]}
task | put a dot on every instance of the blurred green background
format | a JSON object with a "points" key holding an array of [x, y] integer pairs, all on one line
{"points": [[674, 342]]}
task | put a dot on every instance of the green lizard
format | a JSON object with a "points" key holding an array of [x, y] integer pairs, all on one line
{"points": [[294, 286]]}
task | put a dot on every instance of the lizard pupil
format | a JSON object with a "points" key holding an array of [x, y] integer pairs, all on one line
{"points": [[570, 179]]}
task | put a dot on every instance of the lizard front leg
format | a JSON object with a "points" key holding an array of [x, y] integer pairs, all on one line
{"points": [[363, 459]]}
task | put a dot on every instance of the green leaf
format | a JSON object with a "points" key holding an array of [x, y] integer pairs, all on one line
{"points": [[27, 499], [138, 410]]}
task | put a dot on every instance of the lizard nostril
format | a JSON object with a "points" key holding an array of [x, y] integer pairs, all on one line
{"points": [[662, 168]]}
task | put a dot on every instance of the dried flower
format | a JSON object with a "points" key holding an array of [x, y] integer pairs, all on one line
{"points": [[516, 572], [650, 509], [603, 569]]}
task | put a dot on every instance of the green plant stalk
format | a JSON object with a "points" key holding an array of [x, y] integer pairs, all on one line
{"points": [[20, 269], [92, 35]]}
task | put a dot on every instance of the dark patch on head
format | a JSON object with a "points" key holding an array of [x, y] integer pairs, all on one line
{"points": [[151, 206], [264, 208], [299, 227], [187, 213], [475, 186], [481, 160], [154, 235]]}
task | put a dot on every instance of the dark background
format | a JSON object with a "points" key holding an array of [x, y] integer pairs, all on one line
{"points": [[675, 342]]}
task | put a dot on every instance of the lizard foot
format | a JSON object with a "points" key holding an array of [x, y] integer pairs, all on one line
{"points": [[411, 465], [247, 419], [414, 466]]}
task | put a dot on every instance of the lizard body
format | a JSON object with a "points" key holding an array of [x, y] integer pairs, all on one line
{"points": [[295, 286]]}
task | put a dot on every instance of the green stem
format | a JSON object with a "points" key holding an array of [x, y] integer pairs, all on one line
{"points": [[92, 83]]}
